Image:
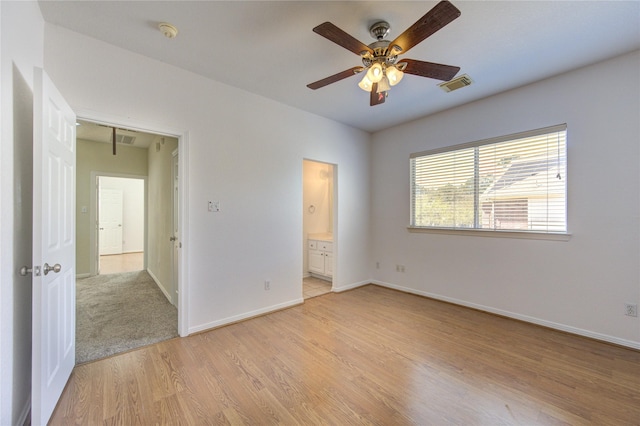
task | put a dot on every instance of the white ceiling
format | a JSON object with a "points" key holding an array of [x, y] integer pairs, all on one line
{"points": [[268, 47]]}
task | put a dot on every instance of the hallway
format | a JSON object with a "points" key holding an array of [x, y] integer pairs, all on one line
{"points": [[118, 263]]}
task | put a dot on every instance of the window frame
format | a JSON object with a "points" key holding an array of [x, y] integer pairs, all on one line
{"points": [[476, 231]]}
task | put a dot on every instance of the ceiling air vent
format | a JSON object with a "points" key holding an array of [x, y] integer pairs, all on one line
{"points": [[125, 139], [457, 83]]}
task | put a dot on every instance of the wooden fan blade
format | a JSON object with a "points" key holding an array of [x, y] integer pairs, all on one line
{"points": [[376, 98], [430, 69], [339, 37], [336, 77], [442, 14]]}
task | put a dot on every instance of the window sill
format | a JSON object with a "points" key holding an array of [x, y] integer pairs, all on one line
{"points": [[492, 234]]}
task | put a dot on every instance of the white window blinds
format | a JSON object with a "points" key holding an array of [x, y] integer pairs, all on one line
{"points": [[514, 183]]}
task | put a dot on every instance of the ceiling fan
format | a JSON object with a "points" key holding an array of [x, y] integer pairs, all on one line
{"points": [[381, 66]]}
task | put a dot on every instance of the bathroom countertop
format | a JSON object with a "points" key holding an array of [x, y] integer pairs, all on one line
{"points": [[321, 237]]}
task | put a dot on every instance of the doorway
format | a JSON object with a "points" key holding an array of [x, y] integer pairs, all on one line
{"points": [[318, 226], [125, 204], [159, 143], [121, 224], [141, 174]]}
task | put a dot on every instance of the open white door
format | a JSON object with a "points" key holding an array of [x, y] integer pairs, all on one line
{"points": [[54, 255], [110, 218], [175, 257]]}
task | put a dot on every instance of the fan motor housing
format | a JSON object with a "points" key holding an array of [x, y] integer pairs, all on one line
{"points": [[380, 54], [379, 30]]}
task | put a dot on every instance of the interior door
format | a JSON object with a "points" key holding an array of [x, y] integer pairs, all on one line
{"points": [[53, 326], [110, 217], [175, 239]]}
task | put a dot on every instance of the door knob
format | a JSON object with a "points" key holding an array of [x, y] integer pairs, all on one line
{"points": [[55, 268]]}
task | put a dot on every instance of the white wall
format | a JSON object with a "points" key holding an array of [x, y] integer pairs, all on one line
{"points": [[244, 151], [21, 38], [132, 210], [580, 285]]}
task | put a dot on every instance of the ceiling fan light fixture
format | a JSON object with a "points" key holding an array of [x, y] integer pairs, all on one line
{"points": [[365, 84], [375, 73], [380, 64], [383, 85], [394, 75]]}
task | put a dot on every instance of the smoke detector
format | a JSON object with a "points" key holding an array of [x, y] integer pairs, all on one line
{"points": [[168, 30]]}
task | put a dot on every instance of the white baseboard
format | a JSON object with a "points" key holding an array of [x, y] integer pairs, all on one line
{"points": [[159, 284], [514, 315], [266, 310], [350, 286], [80, 276], [321, 277], [245, 316]]}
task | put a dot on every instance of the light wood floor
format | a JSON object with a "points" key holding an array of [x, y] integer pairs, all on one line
{"points": [[366, 356], [119, 263], [312, 287]]}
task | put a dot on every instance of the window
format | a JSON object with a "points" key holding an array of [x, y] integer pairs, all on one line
{"points": [[511, 183]]}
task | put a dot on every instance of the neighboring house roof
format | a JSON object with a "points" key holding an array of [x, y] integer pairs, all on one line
{"points": [[527, 179]]}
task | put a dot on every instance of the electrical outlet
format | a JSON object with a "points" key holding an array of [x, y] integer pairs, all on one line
{"points": [[267, 285], [631, 309]]}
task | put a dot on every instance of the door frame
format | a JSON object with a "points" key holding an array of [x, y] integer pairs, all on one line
{"points": [[334, 214], [183, 224], [94, 237]]}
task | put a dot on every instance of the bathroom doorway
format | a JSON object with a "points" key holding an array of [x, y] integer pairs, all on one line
{"points": [[317, 222]]}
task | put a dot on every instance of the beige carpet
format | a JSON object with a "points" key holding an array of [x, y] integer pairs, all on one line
{"points": [[119, 312]]}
